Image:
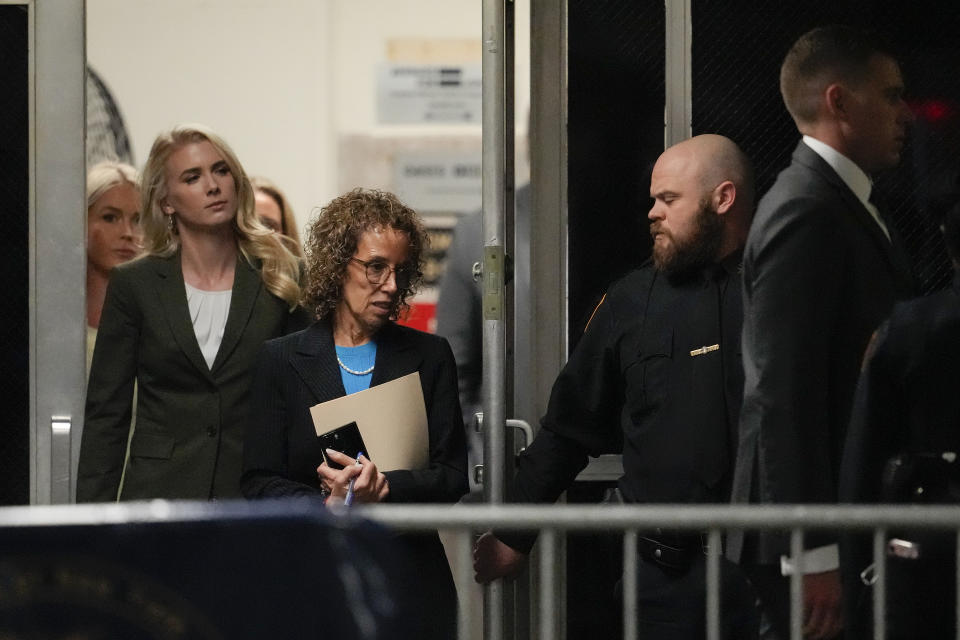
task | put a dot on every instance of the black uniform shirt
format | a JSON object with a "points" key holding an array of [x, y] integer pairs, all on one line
{"points": [[656, 376]]}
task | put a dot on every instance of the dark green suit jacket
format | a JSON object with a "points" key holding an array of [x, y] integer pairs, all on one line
{"points": [[188, 439]]}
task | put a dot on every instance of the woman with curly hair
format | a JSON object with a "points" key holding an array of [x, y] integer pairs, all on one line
{"points": [[364, 253], [184, 322]]}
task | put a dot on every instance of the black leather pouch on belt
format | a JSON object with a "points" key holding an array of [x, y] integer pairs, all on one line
{"points": [[670, 549]]}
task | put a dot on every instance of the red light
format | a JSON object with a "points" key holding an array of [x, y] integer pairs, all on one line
{"points": [[932, 111]]}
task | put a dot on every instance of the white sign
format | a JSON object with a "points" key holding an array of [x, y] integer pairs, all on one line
{"points": [[439, 182], [429, 93]]}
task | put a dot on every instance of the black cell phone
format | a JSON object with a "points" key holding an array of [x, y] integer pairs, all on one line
{"points": [[345, 439]]}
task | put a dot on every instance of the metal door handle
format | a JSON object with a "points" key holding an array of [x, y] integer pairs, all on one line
{"points": [[513, 423], [60, 428], [524, 426]]}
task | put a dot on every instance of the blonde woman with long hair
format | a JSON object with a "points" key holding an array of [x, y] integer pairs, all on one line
{"points": [[113, 232], [185, 322]]}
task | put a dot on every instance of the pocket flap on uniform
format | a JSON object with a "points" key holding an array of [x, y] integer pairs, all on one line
{"points": [[151, 445], [656, 345]]}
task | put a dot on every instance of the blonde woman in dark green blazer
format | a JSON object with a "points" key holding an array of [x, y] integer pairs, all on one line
{"points": [[184, 322]]}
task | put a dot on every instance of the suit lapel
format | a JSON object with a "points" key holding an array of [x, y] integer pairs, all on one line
{"points": [[395, 356], [891, 247], [315, 361], [246, 287], [173, 302], [898, 257]]}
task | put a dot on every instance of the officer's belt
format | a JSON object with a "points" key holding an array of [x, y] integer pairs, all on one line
{"points": [[672, 549]]}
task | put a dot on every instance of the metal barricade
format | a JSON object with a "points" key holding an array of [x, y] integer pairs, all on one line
{"points": [[554, 520]]}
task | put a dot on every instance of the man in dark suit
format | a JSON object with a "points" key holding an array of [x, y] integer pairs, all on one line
{"points": [[823, 266], [906, 416], [658, 377]]}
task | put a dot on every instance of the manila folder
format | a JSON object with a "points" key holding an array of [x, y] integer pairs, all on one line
{"points": [[392, 419]]}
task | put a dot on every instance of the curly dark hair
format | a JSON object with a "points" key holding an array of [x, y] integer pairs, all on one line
{"points": [[332, 240]]}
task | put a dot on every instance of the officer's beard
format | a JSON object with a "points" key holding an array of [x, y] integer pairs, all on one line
{"points": [[681, 258]]}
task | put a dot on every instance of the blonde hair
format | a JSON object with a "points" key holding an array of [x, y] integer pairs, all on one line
{"points": [[288, 221], [279, 268], [106, 175]]}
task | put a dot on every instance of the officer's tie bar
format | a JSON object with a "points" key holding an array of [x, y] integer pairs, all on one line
{"points": [[703, 350]]}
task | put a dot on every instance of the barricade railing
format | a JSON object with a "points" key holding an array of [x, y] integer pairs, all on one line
{"points": [[553, 520]]}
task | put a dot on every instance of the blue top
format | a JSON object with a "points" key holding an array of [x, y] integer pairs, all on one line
{"points": [[359, 358]]}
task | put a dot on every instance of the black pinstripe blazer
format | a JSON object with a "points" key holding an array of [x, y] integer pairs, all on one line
{"points": [[293, 373]]}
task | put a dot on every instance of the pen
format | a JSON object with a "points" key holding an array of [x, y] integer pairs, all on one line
{"points": [[347, 501]]}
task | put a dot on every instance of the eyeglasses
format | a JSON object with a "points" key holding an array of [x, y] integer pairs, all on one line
{"points": [[378, 272]]}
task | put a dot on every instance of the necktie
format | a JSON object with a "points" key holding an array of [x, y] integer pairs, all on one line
{"points": [[880, 212], [897, 253]]}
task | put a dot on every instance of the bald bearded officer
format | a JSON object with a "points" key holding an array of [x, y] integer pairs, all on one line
{"points": [[657, 375]]}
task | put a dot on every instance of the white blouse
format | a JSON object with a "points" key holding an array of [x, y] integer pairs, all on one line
{"points": [[208, 312]]}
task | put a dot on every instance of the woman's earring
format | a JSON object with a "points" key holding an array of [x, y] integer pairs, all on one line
{"points": [[171, 225]]}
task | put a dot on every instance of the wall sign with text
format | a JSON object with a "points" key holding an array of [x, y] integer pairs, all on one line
{"points": [[439, 182], [429, 93]]}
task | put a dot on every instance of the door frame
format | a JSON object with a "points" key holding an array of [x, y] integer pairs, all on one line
{"points": [[57, 247]]}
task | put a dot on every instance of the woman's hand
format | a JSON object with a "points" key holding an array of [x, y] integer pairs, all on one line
{"points": [[369, 485]]}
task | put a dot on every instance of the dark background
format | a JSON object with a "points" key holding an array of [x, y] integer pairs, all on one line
{"points": [[616, 101], [736, 93], [14, 209], [616, 104]]}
